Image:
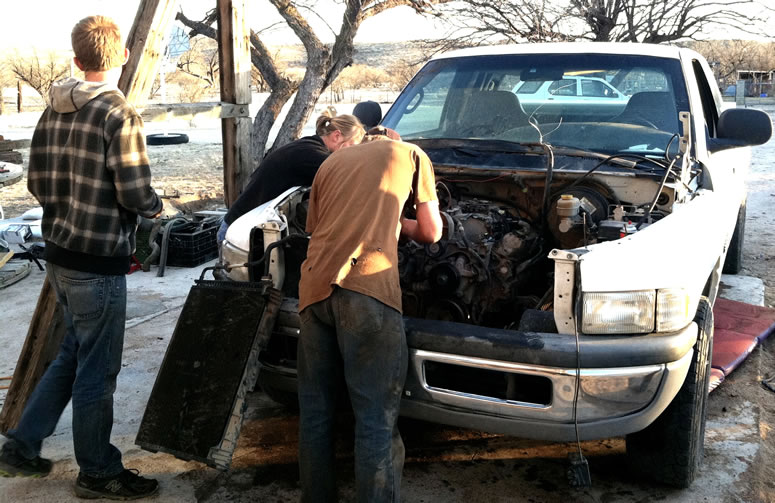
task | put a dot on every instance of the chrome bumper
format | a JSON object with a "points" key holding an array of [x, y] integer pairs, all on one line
{"points": [[610, 402]]}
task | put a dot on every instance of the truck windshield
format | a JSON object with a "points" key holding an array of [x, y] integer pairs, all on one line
{"points": [[607, 103]]}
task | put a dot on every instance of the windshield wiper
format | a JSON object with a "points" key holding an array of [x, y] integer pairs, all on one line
{"points": [[475, 148], [624, 159]]}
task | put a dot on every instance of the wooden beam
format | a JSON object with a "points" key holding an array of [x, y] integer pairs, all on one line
{"points": [[6, 145], [146, 43], [47, 327], [235, 64]]}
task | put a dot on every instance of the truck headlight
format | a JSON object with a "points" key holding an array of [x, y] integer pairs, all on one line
{"points": [[675, 309], [233, 256], [638, 312], [618, 312]]}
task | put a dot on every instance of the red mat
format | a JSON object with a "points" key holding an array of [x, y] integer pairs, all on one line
{"points": [[738, 328]]}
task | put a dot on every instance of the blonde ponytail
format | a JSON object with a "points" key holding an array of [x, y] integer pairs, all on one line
{"points": [[348, 125]]}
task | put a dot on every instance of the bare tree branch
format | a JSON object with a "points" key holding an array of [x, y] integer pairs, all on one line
{"points": [[652, 21], [39, 74], [324, 63]]}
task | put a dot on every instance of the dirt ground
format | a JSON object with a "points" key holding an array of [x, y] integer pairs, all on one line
{"points": [[458, 465]]}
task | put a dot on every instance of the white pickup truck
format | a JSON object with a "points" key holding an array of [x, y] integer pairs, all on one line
{"points": [[571, 295]]}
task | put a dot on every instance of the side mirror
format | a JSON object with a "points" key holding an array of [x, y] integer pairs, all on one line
{"points": [[741, 127]]}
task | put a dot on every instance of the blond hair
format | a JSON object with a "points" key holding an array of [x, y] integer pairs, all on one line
{"points": [[348, 125], [97, 43], [373, 137]]}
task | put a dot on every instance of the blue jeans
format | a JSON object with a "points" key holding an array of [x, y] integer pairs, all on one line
{"points": [[355, 337], [221, 234], [85, 370]]}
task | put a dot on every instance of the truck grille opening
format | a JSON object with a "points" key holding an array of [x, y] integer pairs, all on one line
{"points": [[489, 383]]}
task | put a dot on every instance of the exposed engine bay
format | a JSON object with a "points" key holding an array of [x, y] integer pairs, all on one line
{"points": [[491, 264]]}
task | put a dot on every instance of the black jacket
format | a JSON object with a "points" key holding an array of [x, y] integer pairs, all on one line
{"points": [[290, 165]]}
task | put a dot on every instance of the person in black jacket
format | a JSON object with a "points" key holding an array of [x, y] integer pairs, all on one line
{"points": [[294, 164]]}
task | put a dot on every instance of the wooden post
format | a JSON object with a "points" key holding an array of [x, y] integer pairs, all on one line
{"points": [[235, 65], [146, 46], [47, 329], [19, 96]]}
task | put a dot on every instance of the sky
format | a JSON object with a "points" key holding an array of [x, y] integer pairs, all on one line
{"points": [[24, 28]]}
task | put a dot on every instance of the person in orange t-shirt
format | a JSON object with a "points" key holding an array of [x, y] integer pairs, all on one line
{"points": [[350, 308]]}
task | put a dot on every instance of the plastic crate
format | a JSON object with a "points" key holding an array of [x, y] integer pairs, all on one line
{"points": [[191, 244], [142, 247]]}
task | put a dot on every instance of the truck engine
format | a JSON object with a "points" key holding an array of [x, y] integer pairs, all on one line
{"points": [[477, 269], [490, 265]]}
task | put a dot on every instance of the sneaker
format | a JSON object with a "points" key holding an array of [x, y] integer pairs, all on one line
{"points": [[13, 464], [127, 485]]}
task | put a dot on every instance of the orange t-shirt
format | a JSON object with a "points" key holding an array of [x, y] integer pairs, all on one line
{"points": [[354, 217]]}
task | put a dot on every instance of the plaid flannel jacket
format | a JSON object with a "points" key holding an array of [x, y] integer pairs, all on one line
{"points": [[89, 170]]}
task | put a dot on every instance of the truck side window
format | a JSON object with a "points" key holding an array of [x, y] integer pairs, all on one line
{"points": [[708, 104]]}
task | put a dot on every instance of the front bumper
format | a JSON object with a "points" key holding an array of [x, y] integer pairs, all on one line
{"points": [[524, 383]]}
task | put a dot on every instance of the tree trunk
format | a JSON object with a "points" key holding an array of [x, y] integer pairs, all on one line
{"points": [[265, 118], [312, 85], [19, 96]]}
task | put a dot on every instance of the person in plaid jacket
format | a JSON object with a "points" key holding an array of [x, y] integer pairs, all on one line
{"points": [[89, 170]]}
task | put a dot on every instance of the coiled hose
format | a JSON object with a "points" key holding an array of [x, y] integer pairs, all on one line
{"points": [[166, 235]]}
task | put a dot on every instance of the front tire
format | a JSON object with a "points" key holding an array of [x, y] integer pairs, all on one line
{"points": [[285, 398], [670, 449]]}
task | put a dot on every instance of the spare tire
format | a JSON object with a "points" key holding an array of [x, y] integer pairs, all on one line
{"points": [[166, 139]]}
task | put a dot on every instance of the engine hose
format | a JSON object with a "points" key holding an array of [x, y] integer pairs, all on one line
{"points": [[277, 243], [155, 249], [165, 244]]}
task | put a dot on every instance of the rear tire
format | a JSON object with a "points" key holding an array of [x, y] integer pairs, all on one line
{"points": [[670, 449], [734, 261]]}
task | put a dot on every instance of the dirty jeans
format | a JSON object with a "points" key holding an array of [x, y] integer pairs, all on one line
{"points": [[353, 336], [94, 308]]}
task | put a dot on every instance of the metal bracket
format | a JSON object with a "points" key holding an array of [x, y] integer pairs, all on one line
{"points": [[233, 111], [686, 125], [564, 283], [221, 454]]}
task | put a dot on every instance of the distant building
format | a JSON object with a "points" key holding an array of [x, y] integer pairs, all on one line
{"points": [[758, 82]]}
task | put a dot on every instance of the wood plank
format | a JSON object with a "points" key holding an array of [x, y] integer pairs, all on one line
{"points": [[47, 327], [11, 156], [235, 64], [5, 257], [6, 145], [146, 43]]}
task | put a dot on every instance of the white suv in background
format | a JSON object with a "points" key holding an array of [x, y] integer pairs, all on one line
{"points": [[569, 92]]}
